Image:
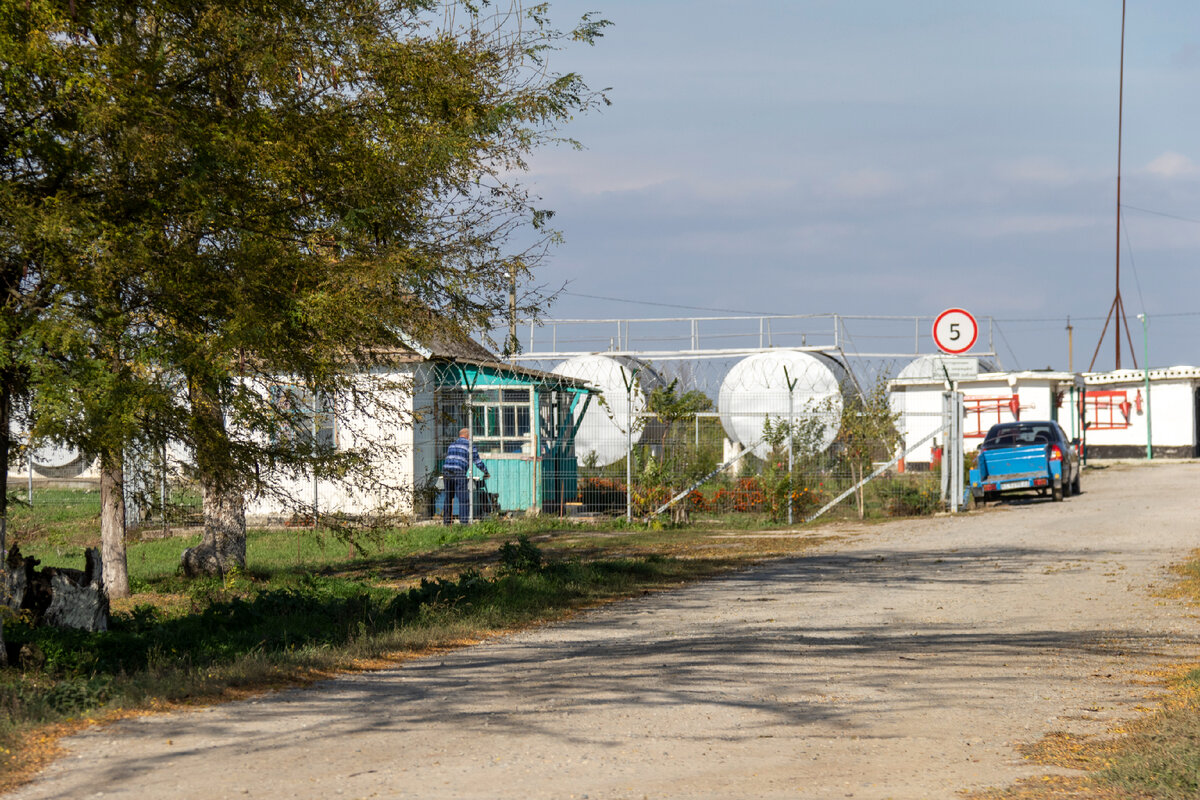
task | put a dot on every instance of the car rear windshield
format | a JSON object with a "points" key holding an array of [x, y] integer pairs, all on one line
{"points": [[1017, 435]]}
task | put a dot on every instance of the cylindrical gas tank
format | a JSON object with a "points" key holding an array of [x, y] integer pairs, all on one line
{"points": [[605, 426], [756, 389]]}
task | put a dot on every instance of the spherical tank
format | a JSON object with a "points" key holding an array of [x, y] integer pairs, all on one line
{"points": [[605, 425], [756, 388]]}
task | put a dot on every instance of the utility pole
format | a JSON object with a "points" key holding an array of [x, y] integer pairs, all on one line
{"points": [[511, 346], [1070, 346], [1116, 312]]}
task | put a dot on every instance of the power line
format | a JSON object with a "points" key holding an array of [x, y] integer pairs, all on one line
{"points": [[1010, 320], [1161, 214]]}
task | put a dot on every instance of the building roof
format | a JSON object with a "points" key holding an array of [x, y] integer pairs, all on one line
{"points": [[1180, 373], [992, 377], [446, 342]]}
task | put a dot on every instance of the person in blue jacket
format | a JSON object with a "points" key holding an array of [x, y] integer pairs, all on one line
{"points": [[455, 467]]}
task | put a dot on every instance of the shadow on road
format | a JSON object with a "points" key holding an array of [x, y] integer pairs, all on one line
{"points": [[762, 645]]}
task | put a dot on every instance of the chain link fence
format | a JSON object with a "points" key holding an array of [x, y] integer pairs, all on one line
{"points": [[781, 477], [773, 442]]}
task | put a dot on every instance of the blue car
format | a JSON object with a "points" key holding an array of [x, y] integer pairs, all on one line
{"points": [[1024, 457]]}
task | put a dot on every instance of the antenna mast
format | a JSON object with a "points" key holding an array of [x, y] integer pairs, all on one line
{"points": [[1116, 312]]}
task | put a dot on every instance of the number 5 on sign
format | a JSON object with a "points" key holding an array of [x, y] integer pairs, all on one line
{"points": [[955, 331]]}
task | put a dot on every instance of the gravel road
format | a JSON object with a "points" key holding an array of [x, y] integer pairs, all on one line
{"points": [[905, 660]]}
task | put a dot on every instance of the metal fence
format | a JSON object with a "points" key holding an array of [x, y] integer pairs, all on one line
{"points": [[690, 469]]}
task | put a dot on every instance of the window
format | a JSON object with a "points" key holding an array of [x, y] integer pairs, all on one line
{"points": [[501, 419], [1017, 434], [301, 417]]}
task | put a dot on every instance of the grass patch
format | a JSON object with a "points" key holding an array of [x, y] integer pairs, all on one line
{"points": [[311, 604]]}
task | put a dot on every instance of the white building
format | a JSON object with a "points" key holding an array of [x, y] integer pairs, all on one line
{"points": [[1120, 417], [988, 398]]}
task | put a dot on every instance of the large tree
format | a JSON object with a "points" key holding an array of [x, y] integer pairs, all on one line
{"points": [[277, 188]]}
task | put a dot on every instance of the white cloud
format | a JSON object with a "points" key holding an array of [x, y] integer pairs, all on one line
{"points": [[1173, 165]]}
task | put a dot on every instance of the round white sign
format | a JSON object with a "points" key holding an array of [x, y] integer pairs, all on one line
{"points": [[955, 331]]}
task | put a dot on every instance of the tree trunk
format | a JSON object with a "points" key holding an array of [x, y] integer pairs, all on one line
{"points": [[223, 545], [112, 525], [5, 444], [58, 596]]}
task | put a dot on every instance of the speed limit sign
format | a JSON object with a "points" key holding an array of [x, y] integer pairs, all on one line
{"points": [[955, 331]]}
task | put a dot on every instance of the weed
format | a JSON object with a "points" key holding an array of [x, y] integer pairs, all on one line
{"points": [[522, 557]]}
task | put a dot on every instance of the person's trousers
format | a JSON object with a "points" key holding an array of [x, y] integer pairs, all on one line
{"points": [[456, 487]]}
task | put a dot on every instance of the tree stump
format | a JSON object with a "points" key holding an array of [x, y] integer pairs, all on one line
{"points": [[64, 598]]}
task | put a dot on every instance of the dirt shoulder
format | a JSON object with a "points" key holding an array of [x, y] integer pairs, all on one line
{"points": [[903, 660]]}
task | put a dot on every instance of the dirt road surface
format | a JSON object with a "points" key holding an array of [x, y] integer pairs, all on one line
{"points": [[906, 660]]}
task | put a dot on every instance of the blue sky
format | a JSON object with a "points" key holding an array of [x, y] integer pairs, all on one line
{"points": [[883, 157]]}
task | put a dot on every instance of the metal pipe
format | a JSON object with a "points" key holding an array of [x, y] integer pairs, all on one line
{"points": [[791, 384], [628, 451], [629, 384]]}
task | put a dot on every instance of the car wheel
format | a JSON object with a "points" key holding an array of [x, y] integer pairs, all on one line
{"points": [[1056, 494], [1075, 484]]}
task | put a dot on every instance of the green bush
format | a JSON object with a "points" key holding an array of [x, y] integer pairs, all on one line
{"points": [[522, 557]]}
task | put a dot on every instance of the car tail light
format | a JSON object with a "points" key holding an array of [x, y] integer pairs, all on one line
{"points": [[1056, 453]]}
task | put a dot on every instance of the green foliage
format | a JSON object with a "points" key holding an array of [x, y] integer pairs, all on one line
{"points": [[914, 498], [867, 434], [199, 199], [151, 651], [522, 557], [669, 406]]}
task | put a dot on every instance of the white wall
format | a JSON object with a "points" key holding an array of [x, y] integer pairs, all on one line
{"points": [[378, 422], [918, 402], [1170, 413]]}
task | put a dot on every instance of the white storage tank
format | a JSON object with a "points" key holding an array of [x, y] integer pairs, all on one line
{"points": [[756, 388], [605, 426], [55, 460]]}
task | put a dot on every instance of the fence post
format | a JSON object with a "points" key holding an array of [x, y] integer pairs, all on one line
{"points": [[960, 447], [952, 450], [315, 487], [629, 383], [791, 384], [947, 427], [163, 488]]}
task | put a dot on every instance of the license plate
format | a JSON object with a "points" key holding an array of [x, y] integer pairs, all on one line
{"points": [[1015, 485]]}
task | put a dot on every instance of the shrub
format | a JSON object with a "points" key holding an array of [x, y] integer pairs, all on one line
{"points": [[916, 499], [524, 556]]}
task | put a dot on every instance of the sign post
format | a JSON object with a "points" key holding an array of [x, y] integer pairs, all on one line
{"points": [[955, 331]]}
